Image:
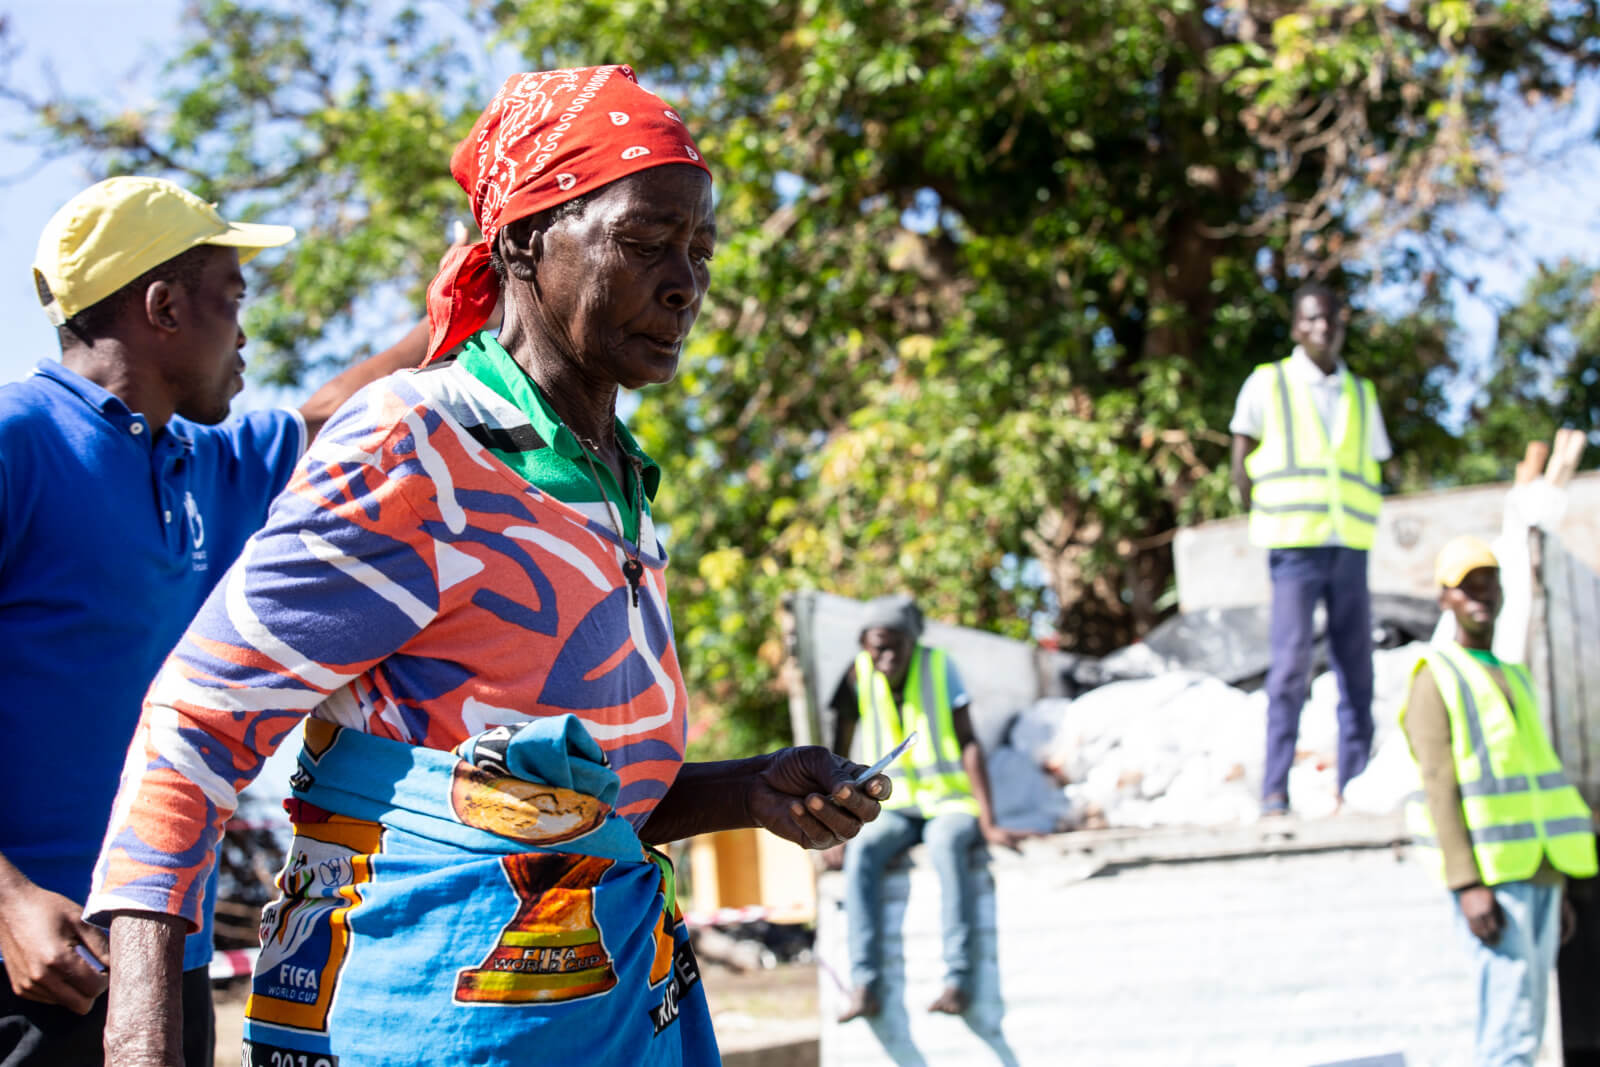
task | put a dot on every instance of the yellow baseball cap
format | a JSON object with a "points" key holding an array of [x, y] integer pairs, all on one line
{"points": [[115, 230], [1461, 557]]}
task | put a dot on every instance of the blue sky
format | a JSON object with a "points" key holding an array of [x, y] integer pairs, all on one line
{"points": [[111, 50], [105, 49]]}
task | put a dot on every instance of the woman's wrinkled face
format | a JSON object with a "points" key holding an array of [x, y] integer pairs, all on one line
{"points": [[620, 284]]}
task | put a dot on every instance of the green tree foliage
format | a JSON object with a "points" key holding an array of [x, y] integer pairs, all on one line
{"points": [[335, 116], [990, 274], [1546, 372]]}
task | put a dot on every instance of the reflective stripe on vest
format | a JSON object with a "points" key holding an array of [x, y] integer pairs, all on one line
{"points": [[929, 777], [1518, 803], [1307, 489]]}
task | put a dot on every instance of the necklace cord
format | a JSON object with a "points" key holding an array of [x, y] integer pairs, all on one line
{"points": [[632, 569]]}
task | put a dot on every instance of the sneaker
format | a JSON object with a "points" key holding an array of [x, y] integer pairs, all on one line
{"points": [[1275, 804]]}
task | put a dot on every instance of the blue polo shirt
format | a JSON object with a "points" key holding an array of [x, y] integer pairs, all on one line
{"points": [[110, 539]]}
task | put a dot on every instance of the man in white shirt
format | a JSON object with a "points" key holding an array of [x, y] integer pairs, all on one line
{"points": [[1307, 441]]}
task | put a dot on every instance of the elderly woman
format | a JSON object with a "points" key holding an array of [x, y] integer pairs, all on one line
{"points": [[462, 588]]}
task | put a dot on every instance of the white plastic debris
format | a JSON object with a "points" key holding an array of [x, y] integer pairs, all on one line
{"points": [[1186, 749]]}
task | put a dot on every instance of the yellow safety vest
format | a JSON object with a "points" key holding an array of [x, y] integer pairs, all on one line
{"points": [[1305, 489], [1519, 805], [929, 776]]}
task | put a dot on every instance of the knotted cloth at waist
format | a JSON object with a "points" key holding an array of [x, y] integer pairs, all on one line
{"points": [[484, 906]]}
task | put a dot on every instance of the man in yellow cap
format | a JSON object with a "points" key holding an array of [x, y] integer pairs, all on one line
{"points": [[1496, 815], [125, 494]]}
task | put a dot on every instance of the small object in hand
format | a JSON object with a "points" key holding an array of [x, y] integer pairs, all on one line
{"points": [[894, 754], [89, 957]]}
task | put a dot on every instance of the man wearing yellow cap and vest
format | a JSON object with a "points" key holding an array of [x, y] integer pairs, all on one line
{"points": [[1496, 817], [1307, 441], [125, 494], [941, 794]]}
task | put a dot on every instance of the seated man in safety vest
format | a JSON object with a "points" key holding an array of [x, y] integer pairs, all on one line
{"points": [[1307, 441], [1496, 816], [941, 794]]}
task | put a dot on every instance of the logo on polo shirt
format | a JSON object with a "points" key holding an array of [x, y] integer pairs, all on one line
{"points": [[197, 532], [197, 526]]}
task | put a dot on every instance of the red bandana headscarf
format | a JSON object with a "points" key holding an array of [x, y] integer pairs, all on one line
{"points": [[546, 138]]}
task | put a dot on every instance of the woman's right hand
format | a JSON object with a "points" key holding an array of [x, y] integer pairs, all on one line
{"points": [[809, 796]]}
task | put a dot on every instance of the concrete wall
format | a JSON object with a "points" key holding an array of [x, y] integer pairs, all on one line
{"points": [[1218, 567], [1259, 957]]}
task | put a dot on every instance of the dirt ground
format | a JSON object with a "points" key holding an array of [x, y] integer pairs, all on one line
{"points": [[759, 1009], [229, 999], [751, 1010]]}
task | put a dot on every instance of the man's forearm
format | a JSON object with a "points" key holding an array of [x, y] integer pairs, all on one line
{"points": [[402, 355], [978, 775], [705, 798], [972, 761], [1427, 730], [144, 1015], [1242, 447]]}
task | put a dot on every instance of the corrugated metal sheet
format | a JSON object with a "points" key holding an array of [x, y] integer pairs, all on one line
{"points": [[1567, 660], [1564, 655]]}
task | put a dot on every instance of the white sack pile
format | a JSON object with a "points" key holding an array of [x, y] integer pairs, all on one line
{"points": [[1186, 749]]}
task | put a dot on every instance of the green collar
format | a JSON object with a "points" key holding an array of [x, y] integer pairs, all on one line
{"points": [[483, 357]]}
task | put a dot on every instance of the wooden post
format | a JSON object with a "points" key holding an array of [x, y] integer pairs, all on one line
{"points": [[1565, 457], [804, 715], [1539, 640], [1533, 461]]}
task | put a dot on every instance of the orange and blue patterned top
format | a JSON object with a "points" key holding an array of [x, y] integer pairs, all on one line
{"points": [[409, 584]]}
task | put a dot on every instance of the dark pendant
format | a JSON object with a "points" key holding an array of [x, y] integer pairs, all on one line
{"points": [[633, 570]]}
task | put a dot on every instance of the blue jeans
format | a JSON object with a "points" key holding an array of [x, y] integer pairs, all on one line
{"points": [[1300, 578], [949, 839], [1512, 976]]}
